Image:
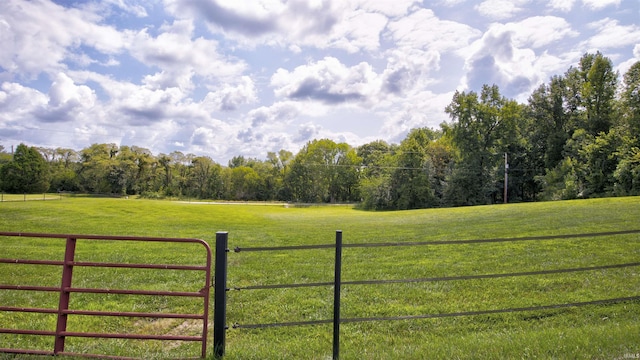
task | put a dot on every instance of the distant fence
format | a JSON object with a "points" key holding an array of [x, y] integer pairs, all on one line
{"points": [[29, 197], [221, 282], [64, 312]]}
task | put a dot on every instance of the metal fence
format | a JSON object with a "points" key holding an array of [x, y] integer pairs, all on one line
{"points": [[64, 312], [221, 288], [221, 285], [28, 197]]}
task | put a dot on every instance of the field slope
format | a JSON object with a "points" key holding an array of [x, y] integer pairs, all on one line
{"points": [[596, 331]]}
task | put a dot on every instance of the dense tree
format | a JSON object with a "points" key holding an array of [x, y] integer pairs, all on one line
{"points": [[631, 101], [96, 163], [27, 172], [279, 167], [598, 92], [411, 180], [549, 127], [378, 164], [205, 178], [324, 171], [64, 168], [484, 127]]}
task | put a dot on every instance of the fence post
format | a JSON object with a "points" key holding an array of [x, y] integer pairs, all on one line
{"points": [[220, 294], [63, 305], [336, 296]]}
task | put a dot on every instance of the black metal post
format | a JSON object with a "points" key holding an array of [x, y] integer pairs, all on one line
{"points": [[220, 294], [336, 296]]}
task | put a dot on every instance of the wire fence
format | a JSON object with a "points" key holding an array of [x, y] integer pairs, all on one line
{"points": [[337, 283], [29, 197]]}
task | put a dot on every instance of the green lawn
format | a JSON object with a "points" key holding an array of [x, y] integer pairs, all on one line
{"points": [[596, 331]]}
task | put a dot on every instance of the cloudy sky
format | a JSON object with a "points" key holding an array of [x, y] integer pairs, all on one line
{"points": [[244, 77]]}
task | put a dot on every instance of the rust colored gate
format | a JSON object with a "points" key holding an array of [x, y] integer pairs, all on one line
{"points": [[63, 311]]}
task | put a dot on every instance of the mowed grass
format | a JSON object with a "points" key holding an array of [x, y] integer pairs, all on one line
{"points": [[594, 331]]}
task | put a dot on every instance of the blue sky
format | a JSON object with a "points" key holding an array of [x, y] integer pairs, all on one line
{"points": [[223, 78]]}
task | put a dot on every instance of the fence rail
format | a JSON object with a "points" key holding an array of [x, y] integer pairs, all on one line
{"points": [[337, 283], [29, 197], [66, 289]]}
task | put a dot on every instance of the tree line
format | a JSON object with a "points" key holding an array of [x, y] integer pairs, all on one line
{"points": [[577, 136]]}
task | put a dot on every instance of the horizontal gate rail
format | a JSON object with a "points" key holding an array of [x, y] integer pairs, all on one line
{"points": [[103, 264], [65, 290]]}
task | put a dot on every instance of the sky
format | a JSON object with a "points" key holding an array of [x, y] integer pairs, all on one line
{"points": [[225, 78]]}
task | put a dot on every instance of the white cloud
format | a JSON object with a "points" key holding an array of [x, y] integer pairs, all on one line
{"points": [[24, 40], [386, 7], [561, 5], [352, 25], [67, 101], [63, 90], [175, 51], [500, 9], [600, 4], [231, 95], [407, 69], [610, 34], [226, 77], [517, 56], [494, 59], [17, 102], [539, 31], [423, 29], [281, 112], [626, 65], [359, 30], [129, 6], [420, 109], [327, 81]]}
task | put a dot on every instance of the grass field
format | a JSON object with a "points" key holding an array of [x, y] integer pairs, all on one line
{"points": [[590, 332]]}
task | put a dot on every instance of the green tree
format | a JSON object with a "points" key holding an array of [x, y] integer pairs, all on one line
{"points": [[378, 163], [205, 178], [627, 174], [244, 183], [598, 92], [96, 163], [484, 127], [411, 179], [631, 101], [549, 127], [324, 171], [278, 173], [27, 172], [180, 174], [64, 166]]}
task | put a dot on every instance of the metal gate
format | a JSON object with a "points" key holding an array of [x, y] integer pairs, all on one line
{"points": [[63, 311]]}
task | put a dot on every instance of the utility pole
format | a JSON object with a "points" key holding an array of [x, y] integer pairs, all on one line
{"points": [[506, 177]]}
